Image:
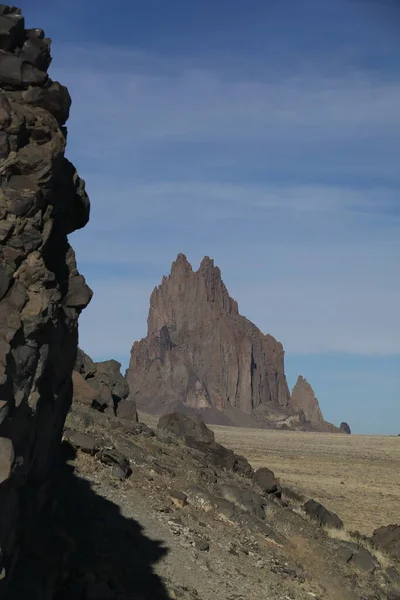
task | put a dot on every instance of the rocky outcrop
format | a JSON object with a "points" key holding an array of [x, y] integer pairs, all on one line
{"points": [[307, 413], [345, 428], [201, 354], [387, 538], [303, 398], [101, 385], [42, 200]]}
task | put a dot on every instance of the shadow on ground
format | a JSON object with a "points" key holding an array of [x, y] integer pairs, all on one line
{"points": [[85, 549]]}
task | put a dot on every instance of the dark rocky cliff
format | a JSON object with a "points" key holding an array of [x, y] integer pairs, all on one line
{"points": [[42, 200]]}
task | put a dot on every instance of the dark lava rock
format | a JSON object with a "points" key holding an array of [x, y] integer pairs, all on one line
{"points": [[266, 480], [364, 560], [54, 97], [114, 458], [321, 515], [186, 428], [387, 538], [220, 457], [81, 441]]}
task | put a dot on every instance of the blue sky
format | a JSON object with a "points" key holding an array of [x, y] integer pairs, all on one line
{"points": [[264, 134]]}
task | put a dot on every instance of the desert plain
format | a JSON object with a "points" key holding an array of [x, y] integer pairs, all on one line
{"points": [[356, 476]]}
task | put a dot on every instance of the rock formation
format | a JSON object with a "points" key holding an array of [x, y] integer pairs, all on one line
{"points": [[42, 200], [345, 428], [307, 409], [201, 354], [303, 398], [102, 386]]}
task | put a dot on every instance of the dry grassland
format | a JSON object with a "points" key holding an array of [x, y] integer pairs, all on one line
{"points": [[356, 476]]}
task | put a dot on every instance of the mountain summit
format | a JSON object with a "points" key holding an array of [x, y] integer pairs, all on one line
{"points": [[200, 355]]}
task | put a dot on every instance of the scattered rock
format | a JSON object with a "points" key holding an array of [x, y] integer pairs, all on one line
{"points": [[178, 498], [364, 560], [186, 428], [321, 515], [114, 458], [266, 481], [200, 498], [81, 441], [246, 500], [201, 545], [387, 538], [393, 575]]}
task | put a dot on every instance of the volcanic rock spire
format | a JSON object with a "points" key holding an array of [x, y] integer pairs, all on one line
{"points": [[201, 354]]}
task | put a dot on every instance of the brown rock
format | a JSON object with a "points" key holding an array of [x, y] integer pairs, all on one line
{"points": [[178, 498], [201, 354], [267, 481], [105, 384], [83, 391], [303, 398]]}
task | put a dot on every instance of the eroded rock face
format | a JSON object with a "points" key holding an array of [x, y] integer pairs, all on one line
{"points": [[42, 200], [201, 354], [303, 398]]}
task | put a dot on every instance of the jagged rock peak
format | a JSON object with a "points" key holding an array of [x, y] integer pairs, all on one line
{"points": [[180, 263], [42, 200], [200, 353], [303, 398]]}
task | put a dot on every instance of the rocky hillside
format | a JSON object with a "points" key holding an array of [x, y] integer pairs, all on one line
{"points": [[42, 200], [201, 356], [170, 514]]}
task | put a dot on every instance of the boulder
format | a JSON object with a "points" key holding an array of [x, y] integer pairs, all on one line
{"points": [[115, 459], [186, 428], [244, 499], [267, 482], [105, 382], [81, 441], [84, 393], [387, 538], [321, 515]]}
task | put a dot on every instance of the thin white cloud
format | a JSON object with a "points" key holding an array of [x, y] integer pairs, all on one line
{"points": [[169, 152], [143, 100]]}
